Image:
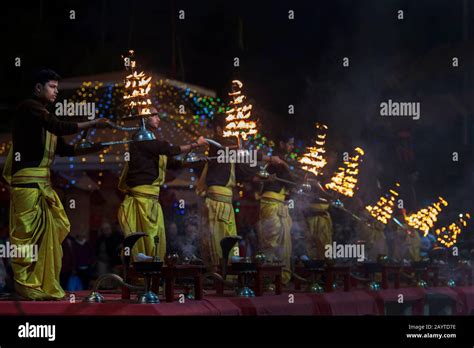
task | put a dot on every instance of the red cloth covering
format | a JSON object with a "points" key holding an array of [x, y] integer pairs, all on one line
{"points": [[356, 302], [276, 305], [392, 295], [466, 294], [460, 305]]}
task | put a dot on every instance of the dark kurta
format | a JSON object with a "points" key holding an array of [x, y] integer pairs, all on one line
{"points": [[218, 174], [281, 172], [143, 166], [31, 122]]}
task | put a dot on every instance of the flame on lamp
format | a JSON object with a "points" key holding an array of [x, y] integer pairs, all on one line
{"points": [[344, 180], [313, 161], [383, 209], [447, 236], [238, 116], [425, 218], [137, 86]]}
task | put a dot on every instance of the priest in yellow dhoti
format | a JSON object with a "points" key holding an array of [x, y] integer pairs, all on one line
{"points": [[274, 232], [216, 183], [372, 232], [413, 244], [37, 217], [319, 229], [141, 179]]}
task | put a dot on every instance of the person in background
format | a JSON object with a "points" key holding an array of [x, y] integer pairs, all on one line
{"points": [[68, 261], [84, 257], [107, 251], [3, 277], [172, 237]]}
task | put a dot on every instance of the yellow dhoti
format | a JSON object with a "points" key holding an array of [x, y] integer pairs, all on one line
{"points": [[319, 231], [218, 223], [374, 237], [37, 220], [218, 218], [141, 211], [274, 234], [413, 246]]}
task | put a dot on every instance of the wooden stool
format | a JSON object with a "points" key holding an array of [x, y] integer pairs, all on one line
{"points": [[170, 274], [262, 271], [273, 271], [332, 271], [133, 276], [386, 271], [306, 272]]}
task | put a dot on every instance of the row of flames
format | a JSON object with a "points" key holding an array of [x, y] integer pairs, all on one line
{"points": [[344, 181]]}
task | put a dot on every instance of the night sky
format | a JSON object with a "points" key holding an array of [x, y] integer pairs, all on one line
{"points": [[283, 62]]}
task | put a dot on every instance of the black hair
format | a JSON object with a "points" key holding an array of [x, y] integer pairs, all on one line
{"points": [[44, 75]]}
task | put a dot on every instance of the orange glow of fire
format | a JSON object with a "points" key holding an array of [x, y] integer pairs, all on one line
{"points": [[137, 87], [344, 180], [425, 218], [314, 161], [447, 236], [238, 116], [383, 209]]}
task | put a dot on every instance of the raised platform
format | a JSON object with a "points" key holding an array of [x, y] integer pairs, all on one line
{"points": [[416, 301]]}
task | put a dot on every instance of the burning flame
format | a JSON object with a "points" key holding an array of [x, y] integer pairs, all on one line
{"points": [[238, 123], [383, 209], [447, 236], [344, 180], [313, 161], [137, 87], [425, 218]]}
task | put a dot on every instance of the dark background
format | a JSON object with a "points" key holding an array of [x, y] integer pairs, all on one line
{"points": [[286, 62]]}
